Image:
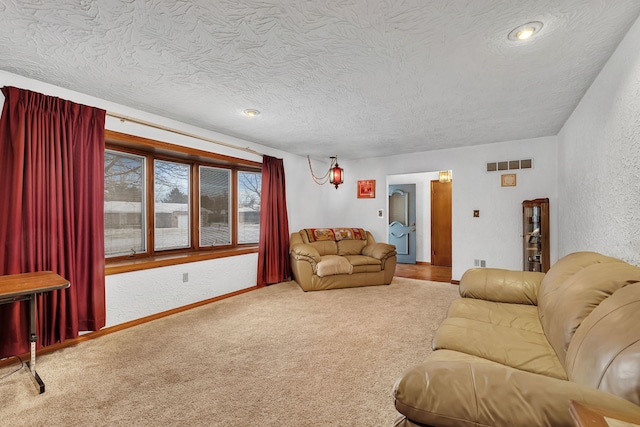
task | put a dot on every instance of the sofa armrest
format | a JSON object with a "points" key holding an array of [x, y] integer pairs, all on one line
{"points": [[495, 284], [379, 251], [459, 393], [305, 252]]}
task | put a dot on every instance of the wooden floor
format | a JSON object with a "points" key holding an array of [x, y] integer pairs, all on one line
{"points": [[424, 272]]}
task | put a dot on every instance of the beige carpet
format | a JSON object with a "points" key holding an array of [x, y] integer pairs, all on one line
{"points": [[272, 357]]}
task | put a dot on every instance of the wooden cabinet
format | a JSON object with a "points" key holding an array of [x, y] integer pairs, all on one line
{"points": [[535, 235]]}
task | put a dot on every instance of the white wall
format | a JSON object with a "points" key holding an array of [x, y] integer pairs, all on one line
{"points": [[423, 208], [599, 158], [496, 235], [142, 293]]}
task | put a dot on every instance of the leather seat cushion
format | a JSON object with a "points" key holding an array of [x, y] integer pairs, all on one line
{"points": [[356, 260], [517, 316], [330, 265], [518, 348]]}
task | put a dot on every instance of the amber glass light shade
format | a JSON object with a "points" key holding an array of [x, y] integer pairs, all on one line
{"points": [[444, 176], [336, 176]]}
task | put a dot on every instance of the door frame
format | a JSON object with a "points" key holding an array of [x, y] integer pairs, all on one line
{"points": [[423, 209]]}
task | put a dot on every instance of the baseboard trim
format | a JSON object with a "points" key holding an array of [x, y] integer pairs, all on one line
{"points": [[111, 329]]}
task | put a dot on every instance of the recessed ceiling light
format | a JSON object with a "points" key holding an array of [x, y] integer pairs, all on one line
{"points": [[525, 31], [250, 112]]}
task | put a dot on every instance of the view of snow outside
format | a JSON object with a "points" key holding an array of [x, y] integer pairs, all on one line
{"points": [[124, 218]]}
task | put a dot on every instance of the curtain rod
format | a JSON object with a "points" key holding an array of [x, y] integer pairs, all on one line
{"points": [[179, 132]]}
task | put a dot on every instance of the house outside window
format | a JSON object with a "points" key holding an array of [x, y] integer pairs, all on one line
{"points": [[124, 207], [215, 206], [249, 188], [159, 202], [171, 207]]}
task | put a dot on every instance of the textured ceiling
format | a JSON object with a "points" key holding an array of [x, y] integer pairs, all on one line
{"points": [[356, 78]]}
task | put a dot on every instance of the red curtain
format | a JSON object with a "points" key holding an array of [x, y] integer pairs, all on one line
{"points": [[51, 214], [273, 254]]}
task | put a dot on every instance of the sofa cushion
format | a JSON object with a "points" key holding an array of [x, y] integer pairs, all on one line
{"points": [[562, 270], [325, 247], [556, 325], [379, 250], [364, 264], [350, 234], [335, 234], [605, 350], [351, 247], [362, 260], [318, 234], [517, 348], [367, 268], [333, 264], [579, 295], [500, 285], [517, 316]]}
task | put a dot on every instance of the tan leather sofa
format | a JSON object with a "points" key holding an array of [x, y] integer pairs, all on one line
{"points": [[331, 258], [519, 346]]}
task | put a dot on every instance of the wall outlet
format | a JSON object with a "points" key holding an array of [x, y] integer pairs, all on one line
{"points": [[479, 263], [379, 213], [185, 277], [483, 263]]}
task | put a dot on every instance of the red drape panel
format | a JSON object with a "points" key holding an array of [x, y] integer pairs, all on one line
{"points": [[51, 213], [273, 254]]}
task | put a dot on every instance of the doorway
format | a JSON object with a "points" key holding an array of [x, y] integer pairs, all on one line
{"points": [[402, 221], [423, 223]]}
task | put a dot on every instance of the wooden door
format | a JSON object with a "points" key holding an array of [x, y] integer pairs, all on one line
{"points": [[441, 223]]}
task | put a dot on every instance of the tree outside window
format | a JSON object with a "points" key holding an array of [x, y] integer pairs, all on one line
{"points": [[169, 205], [249, 188]]}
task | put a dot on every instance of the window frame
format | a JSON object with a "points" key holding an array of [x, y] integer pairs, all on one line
{"points": [[158, 150]]}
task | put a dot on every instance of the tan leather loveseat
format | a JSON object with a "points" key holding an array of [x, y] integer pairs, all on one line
{"points": [[331, 258], [519, 346]]}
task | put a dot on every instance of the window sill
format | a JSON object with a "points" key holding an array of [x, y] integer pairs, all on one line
{"points": [[174, 259]]}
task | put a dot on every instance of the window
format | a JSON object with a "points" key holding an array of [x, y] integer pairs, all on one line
{"points": [[215, 206], [171, 206], [249, 187], [161, 199], [124, 207]]}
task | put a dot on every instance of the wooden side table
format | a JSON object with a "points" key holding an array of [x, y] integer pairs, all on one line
{"points": [[585, 416], [26, 286]]}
